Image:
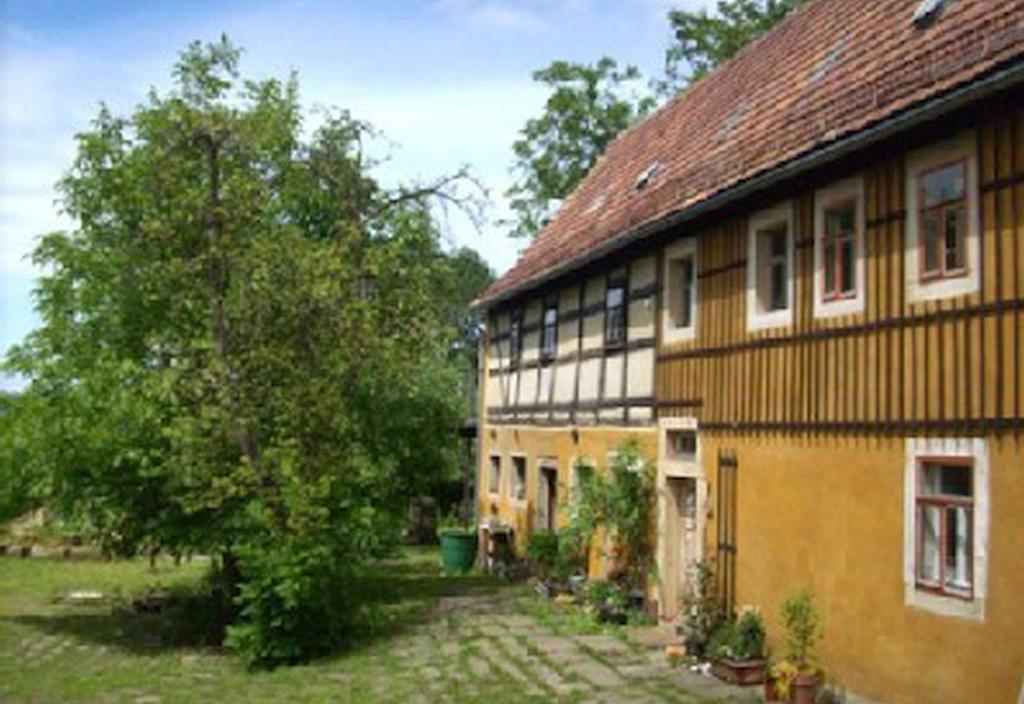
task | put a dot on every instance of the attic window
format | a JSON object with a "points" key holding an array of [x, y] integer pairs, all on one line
{"points": [[646, 175], [928, 11]]}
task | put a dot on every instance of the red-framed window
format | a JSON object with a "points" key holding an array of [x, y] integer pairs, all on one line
{"points": [[944, 508], [942, 221], [839, 251]]}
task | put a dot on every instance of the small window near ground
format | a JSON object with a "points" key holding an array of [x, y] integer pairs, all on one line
{"points": [[615, 309], [494, 477], [942, 221], [945, 520], [549, 331], [519, 478], [682, 444]]}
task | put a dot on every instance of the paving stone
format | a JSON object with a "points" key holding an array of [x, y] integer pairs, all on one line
{"points": [[605, 645], [556, 646], [597, 674]]}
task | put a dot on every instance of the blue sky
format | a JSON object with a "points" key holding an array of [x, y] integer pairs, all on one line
{"points": [[446, 81]]}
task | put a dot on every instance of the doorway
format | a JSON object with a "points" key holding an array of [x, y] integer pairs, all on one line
{"points": [[684, 533], [547, 497]]}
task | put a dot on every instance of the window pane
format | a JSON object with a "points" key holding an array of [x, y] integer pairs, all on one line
{"points": [[829, 265], [942, 185], [946, 480], [846, 284], [778, 287], [550, 316], [928, 545], [685, 318], [778, 243], [839, 221], [614, 296], [519, 488], [958, 532], [954, 237], [685, 314], [494, 483], [931, 241]]}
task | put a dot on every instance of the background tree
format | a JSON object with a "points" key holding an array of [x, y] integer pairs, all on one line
{"points": [[704, 40], [588, 105], [243, 347]]}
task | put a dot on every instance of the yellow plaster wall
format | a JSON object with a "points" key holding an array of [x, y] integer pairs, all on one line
{"points": [[559, 444], [827, 513]]}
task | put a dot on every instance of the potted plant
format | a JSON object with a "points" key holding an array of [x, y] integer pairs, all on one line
{"points": [[738, 649], [701, 612], [802, 675], [458, 544]]}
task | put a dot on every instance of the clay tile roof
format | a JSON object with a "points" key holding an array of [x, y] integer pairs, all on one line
{"points": [[826, 72]]}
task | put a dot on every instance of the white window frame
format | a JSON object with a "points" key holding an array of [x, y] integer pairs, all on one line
{"points": [[670, 464], [961, 147], [824, 198], [976, 450], [512, 478], [758, 319], [490, 465], [670, 332]]}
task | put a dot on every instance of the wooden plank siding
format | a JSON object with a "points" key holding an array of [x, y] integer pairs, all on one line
{"points": [[950, 366]]}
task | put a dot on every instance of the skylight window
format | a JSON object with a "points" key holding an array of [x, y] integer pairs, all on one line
{"points": [[928, 11], [646, 175]]}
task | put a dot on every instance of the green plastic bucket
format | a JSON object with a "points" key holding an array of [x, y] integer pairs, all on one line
{"points": [[458, 551]]}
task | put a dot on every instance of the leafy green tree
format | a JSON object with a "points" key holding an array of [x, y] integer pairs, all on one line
{"points": [[704, 40], [588, 105], [243, 350]]}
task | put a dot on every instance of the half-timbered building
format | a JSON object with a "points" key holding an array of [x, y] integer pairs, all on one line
{"points": [[799, 286]]}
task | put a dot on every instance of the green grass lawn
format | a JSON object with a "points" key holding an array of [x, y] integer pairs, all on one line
{"points": [[55, 652], [429, 639]]}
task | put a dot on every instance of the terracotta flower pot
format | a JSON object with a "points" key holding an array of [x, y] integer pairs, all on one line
{"points": [[804, 688], [741, 672]]}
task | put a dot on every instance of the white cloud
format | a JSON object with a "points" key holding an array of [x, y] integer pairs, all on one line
{"points": [[492, 13]]}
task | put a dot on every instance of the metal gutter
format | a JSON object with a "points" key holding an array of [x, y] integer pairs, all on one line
{"points": [[930, 110]]}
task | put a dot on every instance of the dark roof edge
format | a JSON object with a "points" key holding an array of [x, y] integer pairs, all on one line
{"points": [[938, 106]]}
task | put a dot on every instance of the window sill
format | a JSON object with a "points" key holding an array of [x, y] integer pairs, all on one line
{"points": [[770, 319], [945, 605]]}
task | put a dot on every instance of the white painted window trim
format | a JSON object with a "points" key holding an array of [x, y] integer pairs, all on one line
{"points": [[850, 188], [977, 450], [963, 146], [756, 319], [511, 481], [686, 247], [501, 473]]}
